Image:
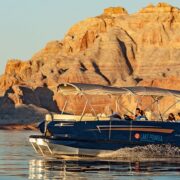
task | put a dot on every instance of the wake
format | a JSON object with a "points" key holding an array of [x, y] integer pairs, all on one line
{"points": [[144, 153]]}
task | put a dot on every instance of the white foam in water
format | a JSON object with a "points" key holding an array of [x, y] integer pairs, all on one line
{"points": [[144, 152]]}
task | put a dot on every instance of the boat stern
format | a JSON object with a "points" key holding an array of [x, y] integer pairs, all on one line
{"points": [[40, 145]]}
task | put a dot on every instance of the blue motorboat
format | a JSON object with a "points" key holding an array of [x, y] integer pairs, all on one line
{"points": [[91, 135]]}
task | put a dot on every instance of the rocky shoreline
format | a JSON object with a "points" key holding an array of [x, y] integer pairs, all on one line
{"points": [[18, 127]]}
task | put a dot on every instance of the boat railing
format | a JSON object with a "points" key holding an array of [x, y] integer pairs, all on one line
{"points": [[67, 117]]}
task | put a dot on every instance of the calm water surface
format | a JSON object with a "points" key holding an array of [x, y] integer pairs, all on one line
{"points": [[18, 161]]}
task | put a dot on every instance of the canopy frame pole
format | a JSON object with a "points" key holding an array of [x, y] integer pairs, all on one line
{"points": [[110, 122], [93, 110], [159, 110], [127, 110], [156, 99], [73, 108], [130, 130], [150, 107], [147, 107], [123, 106], [117, 105], [139, 100], [64, 107], [85, 106], [170, 107]]}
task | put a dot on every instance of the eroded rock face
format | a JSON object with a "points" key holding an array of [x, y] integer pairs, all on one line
{"points": [[115, 11], [22, 115], [114, 48], [22, 104], [160, 8]]}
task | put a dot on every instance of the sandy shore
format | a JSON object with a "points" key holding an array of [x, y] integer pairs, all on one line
{"points": [[19, 127]]}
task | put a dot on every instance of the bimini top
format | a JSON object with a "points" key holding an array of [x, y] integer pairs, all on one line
{"points": [[94, 89]]}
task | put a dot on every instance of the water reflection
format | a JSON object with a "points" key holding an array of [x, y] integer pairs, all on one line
{"points": [[19, 161], [59, 169]]}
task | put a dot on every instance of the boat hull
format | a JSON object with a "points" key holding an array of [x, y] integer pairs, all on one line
{"points": [[95, 138], [47, 147]]}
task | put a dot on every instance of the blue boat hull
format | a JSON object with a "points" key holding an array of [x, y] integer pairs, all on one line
{"points": [[91, 138], [116, 131]]}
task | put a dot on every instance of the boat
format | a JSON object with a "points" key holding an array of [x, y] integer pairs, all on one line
{"points": [[93, 134]]}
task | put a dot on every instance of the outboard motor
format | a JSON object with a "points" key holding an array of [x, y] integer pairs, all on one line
{"points": [[43, 125]]}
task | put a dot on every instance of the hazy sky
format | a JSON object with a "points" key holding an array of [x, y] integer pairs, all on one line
{"points": [[27, 25]]}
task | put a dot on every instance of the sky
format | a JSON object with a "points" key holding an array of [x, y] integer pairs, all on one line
{"points": [[27, 25]]}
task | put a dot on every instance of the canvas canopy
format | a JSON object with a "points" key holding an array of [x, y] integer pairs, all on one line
{"points": [[94, 89]]}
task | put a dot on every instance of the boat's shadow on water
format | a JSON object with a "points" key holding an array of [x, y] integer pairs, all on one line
{"points": [[102, 169]]}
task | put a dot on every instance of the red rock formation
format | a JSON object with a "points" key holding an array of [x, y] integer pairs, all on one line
{"points": [[114, 48], [116, 11]]}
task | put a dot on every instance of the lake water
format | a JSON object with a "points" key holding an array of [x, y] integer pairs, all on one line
{"points": [[19, 161]]}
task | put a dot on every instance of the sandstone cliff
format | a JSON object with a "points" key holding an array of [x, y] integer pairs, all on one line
{"points": [[114, 48]]}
